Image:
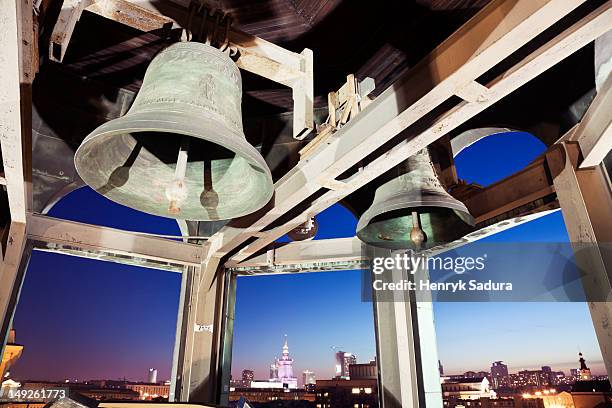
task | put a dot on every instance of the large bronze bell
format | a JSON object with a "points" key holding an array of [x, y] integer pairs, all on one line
{"points": [[180, 151], [413, 210]]}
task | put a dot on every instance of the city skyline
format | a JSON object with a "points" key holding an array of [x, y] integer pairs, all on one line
{"points": [[116, 321], [515, 369], [511, 369]]}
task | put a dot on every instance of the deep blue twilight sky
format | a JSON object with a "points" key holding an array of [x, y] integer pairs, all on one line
{"points": [[84, 319]]}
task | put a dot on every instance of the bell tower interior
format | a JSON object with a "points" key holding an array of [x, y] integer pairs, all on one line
{"points": [[243, 120]]}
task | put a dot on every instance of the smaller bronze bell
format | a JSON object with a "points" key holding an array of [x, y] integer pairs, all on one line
{"points": [[413, 210], [304, 232]]}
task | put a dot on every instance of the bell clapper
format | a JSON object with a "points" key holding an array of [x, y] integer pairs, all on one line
{"points": [[417, 235], [176, 191]]}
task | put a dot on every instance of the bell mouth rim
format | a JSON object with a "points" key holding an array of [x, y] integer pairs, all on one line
{"points": [[397, 204], [367, 233], [228, 139]]}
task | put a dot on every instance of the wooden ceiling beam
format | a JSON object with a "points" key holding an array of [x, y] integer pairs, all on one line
{"points": [[594, 134], [98, 238], [17, 67]]}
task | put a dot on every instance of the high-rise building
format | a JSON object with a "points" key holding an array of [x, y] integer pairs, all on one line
{"points": [[534, 378], [548, 375], [308, 377], [281, 374], [310, 381], [152, 376], [247, 377], [499, 375], [343, 361], [440, 368], [285, 368]]}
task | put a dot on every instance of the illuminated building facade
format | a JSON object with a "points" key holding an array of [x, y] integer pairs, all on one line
{"points": [[262, 395], [148, 391], [152, 376], [584, 373], [362, 393], [499, 375], [308, 377], [467, 389], [367, 370], [247, 377], [12, 352], [531, 378], [285, 368], [281, 374], [551, 399], [264, 385], [111, 394], [343, 361]]}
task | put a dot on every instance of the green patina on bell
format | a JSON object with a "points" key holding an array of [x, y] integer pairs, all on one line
{"points": [[180, 151], [415, 190]]}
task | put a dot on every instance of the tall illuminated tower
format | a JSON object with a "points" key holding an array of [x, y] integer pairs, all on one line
{"points": [[285, 367], [152, 376], [584, 373]]}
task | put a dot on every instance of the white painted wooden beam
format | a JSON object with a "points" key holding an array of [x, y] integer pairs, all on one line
{"points": [[13, 65], [95, 237], [586, 203], [594, 133], [303, 98], [316, 251], [69, 15], [294, 70], [11, 277], [131, 14], [473, 92]]}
